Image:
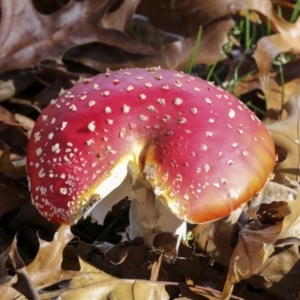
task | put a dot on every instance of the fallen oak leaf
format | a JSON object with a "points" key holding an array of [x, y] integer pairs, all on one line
{"points": [[286, 136], [175, 55], [45, 270], [7, 89], [251, 252], [279, 275], [255, 247], [8, 166], [49, 36], [273, 92], [273, 192], [24, 284], [94, 283]]}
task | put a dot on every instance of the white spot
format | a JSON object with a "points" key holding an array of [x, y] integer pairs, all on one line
{"points": [[90, 142], [73, 107], [43, 190], [208, 101], [126, 109], [96, 87], [129, 88], [231, 113], [193, 110], [178, 83], [148, 85], [105, 94], [44, 117], [182, 121], [39, 151], [107, 110], [50, 135], [208, 133], [211, 120], [206, 167], [230, 162], [234, 145], [161, 101], [159, 77], [91, 126], [122, 132], [63, 125], [37, 136], [240, 131], [55, 148], [203, 147], [196, 89], [245, 153], [223, 180], [186, 197], [143, 118], [151, 108], [92, 103], [42, 173], [233, 195], [216, 184], [178, 101], [142, 96], [63, 191], [110, 121]]}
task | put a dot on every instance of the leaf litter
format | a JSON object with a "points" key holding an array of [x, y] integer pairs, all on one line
{"points": [[238, 257]]}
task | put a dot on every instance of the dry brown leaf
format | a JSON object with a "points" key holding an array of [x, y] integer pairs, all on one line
{"points": [[217, 238], [25, 122], [274, 93], [286, 136], [188, 15], [269, 47], [45, 270], [24, 283], [253, 252], [291, 222], [37, 37], [7, 166], [121, 17], [95, 284], [280, 274], [7, 89], [173, 56]]}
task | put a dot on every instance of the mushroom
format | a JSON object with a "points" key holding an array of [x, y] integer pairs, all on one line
{"points": [[182, 148]]}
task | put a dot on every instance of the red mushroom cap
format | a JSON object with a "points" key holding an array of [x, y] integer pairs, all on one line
{"points": [[203, 151]]}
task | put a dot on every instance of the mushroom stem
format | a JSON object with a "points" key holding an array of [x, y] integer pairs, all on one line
{"points": [[147, 213]]}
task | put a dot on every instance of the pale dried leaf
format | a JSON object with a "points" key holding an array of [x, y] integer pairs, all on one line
{"points": [[7, 89], [286, 136]]}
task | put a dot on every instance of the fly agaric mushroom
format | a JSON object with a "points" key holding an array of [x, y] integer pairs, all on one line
{"points": [[198, 150]]}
